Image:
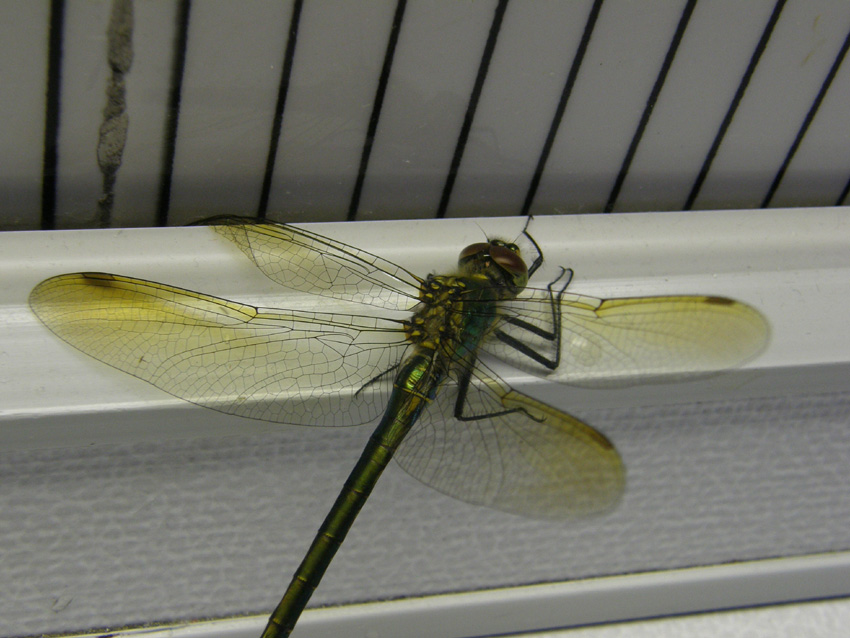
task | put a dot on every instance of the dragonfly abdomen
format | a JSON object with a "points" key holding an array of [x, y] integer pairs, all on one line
{"points": [[415, 385]]}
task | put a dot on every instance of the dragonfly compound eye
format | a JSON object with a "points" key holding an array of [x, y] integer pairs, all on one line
{"points": [[509, 260], [472, 251]]}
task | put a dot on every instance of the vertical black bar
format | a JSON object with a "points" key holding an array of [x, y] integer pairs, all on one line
{"points": [[282, 92], [383, 80], [50, 156], [483, 66], [807, 122], [842, 198], [562, 106], [650, 104], [736, 100], [184, 7]]}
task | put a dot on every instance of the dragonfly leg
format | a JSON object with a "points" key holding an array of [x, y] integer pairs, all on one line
{"points": [[556, 292], [538, 260], [377, 378], [530, 352], [460, 402]]}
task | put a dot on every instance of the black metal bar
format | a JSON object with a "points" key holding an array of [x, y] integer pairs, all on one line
{"points": [[733, 106], [810, 116], [483, 67], [562, 106], [282, 91], [173, 114], [377, 105], [650, 104], [50, 156]]}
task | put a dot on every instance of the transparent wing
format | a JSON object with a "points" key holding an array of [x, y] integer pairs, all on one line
{"points": [[611, 342], [305, 261], [533, 461], [287, 367]]}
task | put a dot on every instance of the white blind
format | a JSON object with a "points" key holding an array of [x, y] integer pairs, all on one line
{"points": [[321, 111]]}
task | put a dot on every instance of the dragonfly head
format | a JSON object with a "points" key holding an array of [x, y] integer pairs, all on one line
{"points": [[499, 260]]}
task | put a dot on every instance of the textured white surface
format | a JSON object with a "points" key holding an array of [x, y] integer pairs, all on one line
{"points": [[800, 595], [825, 619], [167, 529]]}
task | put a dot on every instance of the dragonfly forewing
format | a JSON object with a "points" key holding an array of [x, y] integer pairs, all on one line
{"points": [[291, 367], [626, 341], [301, 260]]}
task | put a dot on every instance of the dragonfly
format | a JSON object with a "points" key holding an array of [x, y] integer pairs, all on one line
{"points": [[412, 354]]}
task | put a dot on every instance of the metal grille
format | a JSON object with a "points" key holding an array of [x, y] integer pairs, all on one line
{"points": [[135, 114]]}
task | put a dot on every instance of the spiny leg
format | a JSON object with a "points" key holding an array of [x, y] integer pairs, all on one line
{"points": [[377, 378], [554, 335], [463, 389]]}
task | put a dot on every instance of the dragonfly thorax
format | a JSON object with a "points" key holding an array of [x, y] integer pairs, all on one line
{"points": [[456, 311], [439, 313]]}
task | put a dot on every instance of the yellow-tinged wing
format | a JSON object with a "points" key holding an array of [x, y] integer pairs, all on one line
{"points": [[287, 367], [612, 342], [302, 260], [512, 453], [604, 342]]}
